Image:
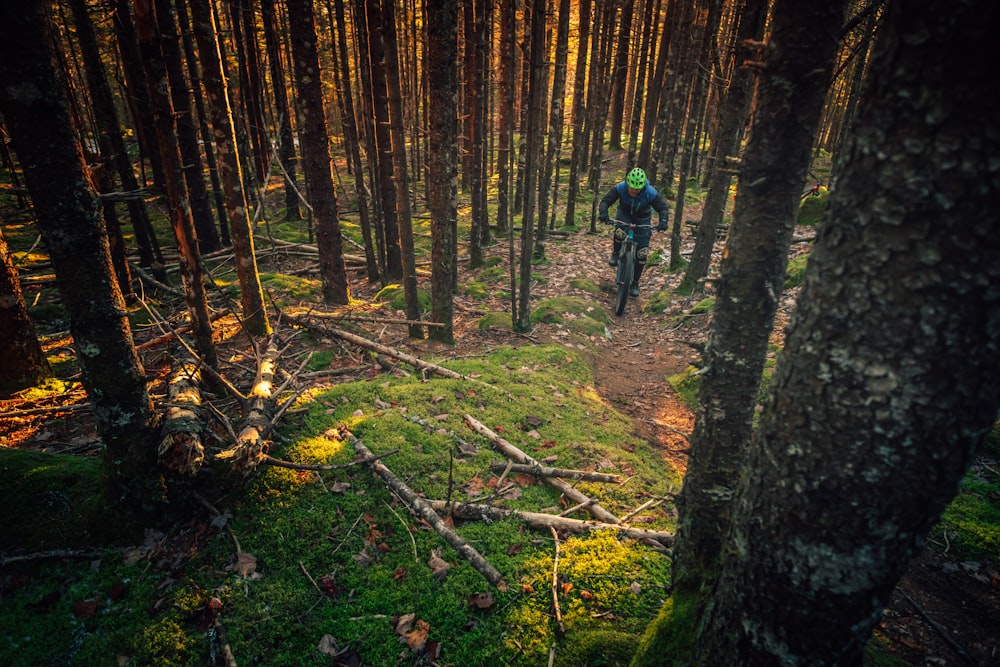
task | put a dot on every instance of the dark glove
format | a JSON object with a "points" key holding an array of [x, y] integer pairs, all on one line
{"points": [[662, 227], [606, 221]]}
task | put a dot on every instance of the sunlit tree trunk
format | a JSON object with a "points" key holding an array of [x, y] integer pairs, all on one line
{"points": [[654, 92], [645, 69], [620, 75], [555, 125], [475, 103], [442, 165], [506, 116], [22, 362], [248, 60], [231, 171], [579, 112], [33, 105], [316, 151], [192, 271], [286, 147], [597, 101]]}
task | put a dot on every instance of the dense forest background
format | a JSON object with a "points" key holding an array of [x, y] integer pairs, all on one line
{"points": [[347, 122]]}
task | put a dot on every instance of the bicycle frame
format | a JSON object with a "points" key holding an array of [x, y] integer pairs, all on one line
{"points": [[626, 266]]}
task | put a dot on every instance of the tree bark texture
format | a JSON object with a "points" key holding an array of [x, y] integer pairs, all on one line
{"points": [[22, 362], [888, 379], [442, 176], [192, 271], [315, 151], [790, 96], [34, 108]]}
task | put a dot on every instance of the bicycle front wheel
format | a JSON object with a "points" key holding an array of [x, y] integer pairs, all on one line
{"points": [[624, 278]]}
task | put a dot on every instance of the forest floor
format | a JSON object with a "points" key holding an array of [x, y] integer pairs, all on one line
{"points": [[944, 612]]}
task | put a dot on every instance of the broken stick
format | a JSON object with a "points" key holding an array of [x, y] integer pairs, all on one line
{"points": [[545, 471], [513, 452], [181, 449], [425, 512], [657, 539]]}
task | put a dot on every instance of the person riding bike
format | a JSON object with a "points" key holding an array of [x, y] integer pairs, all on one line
{"points": [[636, 201]]}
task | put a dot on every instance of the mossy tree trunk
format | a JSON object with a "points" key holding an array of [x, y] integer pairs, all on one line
{"points": [[887, 382], [68, 211]]}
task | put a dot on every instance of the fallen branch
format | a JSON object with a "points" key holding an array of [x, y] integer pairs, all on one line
{"points": [[46, 411], [560, 628], [513, 452], [258, 413], [173, 333], [55, 553], [545, 471], [424, 511], [181, 449], [657, 539], [278, 463]]}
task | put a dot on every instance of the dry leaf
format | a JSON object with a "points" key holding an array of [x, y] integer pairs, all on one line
{"points": [[416, 639], [635, 587], [438, 565], [481, 600], [441, 417], [527, 588], [399, 573], [245, 565], [328, 645], [340, 487], [514, 549], [404, 623], [534, 434], [585, 594], [567, 587]]}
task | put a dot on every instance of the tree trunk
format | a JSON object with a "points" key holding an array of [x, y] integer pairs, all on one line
{"points": [[286, 147], [248, 59], [192, 271], [888, 379], [397, 135], [442, 177], [506, 115], [150, 254], [352, 139], [555, 125], [597, 101], [620, 75], [652, 8], [730, 130], [579, 112], [480, 227], [316, 152], [22, 362], [187, 134], [33, 105], [533, 140], [231, 170]]}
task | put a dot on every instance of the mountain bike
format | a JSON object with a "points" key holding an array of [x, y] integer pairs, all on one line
{"points": [[626, 266]]}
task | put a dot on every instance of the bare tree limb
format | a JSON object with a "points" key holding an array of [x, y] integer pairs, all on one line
{"points": [[545, 471]]}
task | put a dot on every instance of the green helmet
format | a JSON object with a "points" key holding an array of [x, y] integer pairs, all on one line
{"points": [[636, 179]]}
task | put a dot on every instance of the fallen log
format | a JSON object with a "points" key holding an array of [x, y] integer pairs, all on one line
{"points": [[249, 450], [181, 449], [425, 512], [545, 471], [655, 538], [513, 452]]}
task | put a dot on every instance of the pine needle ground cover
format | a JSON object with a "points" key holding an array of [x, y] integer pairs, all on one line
{"points": [[330, 567]]}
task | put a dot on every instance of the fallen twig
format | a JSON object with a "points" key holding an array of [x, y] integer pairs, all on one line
{"points": [[545, 471], [657, 539], [278, 463], [513, 452], [424, 511], [560, 628]]}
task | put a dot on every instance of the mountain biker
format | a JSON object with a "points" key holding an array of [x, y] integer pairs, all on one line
{"points": [[636, 201]]}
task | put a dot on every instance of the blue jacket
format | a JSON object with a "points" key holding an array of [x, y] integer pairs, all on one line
{"points": [[638, 209]]}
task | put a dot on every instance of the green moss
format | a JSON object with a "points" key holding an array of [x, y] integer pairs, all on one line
{"points": [[48, 312], [668, 639], [395, 296], [686, 385], [812, 208], [657, 303], [556, 310], [475, 289], [703, 307], [320, 359], [496, 319], [493, 274], [585, 285], [287, 289], [796, 271], [972, 519]]}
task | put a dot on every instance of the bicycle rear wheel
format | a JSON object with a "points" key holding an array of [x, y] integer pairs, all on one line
{"points": [[626, 266]]}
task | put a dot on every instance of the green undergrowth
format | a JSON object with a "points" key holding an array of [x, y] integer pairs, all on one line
{"points": [[337, 555]]}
